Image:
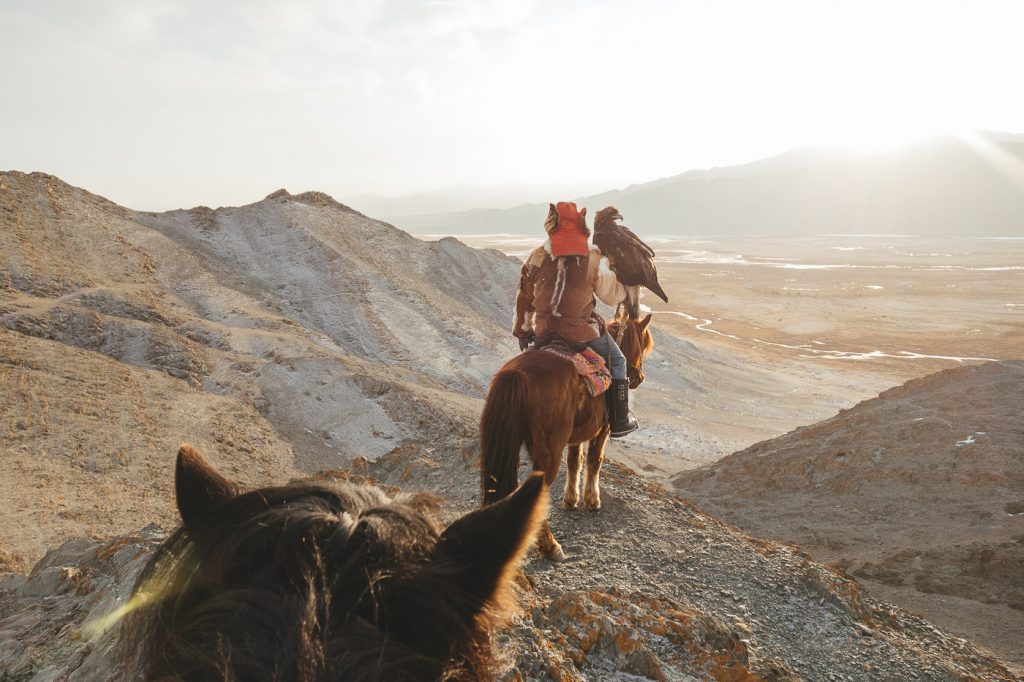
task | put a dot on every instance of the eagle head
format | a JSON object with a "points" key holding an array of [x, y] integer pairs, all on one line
{"points": [[607, 216]]}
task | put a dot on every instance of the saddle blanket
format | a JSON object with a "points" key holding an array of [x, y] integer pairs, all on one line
{"points": [[589, 365]]}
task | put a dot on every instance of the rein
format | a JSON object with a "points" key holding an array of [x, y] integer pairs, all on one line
{"points": [[634, 373], [619, 335]]}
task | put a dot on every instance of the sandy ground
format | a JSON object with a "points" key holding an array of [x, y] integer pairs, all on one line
{"points": [[766, 335], [293, 335], [772, 334]]}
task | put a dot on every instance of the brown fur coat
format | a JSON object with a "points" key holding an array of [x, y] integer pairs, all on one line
{"points": [[557, 295]]}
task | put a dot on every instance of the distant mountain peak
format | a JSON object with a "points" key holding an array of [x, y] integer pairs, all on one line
{"points": [[312, 198], [278, 194]]}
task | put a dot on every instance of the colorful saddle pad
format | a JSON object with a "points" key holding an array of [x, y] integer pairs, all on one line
{"points": [[589, 365]]}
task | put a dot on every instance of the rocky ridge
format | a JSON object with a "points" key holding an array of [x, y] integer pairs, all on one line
{"points": [[286, 336], [123, 333], [919, 491]]}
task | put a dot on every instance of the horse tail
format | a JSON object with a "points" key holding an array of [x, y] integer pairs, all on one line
{"points": [[502, 431]]}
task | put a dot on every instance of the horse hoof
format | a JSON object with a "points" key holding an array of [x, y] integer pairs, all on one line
{"points": [[557, 556], [570, 505], [593, 506]]}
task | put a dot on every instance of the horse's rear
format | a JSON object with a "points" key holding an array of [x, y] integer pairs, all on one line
{"points": [[536, 400]]}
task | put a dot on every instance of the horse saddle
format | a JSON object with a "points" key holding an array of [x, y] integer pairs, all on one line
{"points": [[589, 365]]}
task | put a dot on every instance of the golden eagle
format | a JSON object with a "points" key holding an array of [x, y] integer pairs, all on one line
{"points": [[630, 259]]}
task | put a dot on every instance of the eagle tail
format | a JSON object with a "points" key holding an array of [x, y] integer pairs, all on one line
{"points": [[656, 289], [650, 279]]}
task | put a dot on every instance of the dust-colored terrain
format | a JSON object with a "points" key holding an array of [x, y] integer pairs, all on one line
{"points": [[920, 489], [905, 306], [288, 336], [295, 337], [653, 589], [765, 335], [801, 328]]}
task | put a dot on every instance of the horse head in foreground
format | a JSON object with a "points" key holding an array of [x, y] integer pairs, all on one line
{"points": [[537, 399], [320, 581]]}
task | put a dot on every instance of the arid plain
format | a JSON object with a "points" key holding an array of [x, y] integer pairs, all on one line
{"points": [[783, 332], [786, 333], [873, 300], [296, 337]]}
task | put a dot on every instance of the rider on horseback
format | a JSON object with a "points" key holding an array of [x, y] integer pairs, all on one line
{"points": [[556, 298]]}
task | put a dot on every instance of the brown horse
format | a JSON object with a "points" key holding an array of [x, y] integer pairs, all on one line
{"points": [[537, 399], [317, 581]]}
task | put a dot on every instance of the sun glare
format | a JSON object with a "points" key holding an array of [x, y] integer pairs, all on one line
{"points": [[880, 139], [1010, 165]]}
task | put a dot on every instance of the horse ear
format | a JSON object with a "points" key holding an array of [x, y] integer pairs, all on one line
{"points": [[644, 322], [484, 547], [198, 486], [583, 213]]}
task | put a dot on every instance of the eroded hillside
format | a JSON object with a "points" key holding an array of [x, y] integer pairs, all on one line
{"points": [[296, 337], [920, 491], [290, 335]]}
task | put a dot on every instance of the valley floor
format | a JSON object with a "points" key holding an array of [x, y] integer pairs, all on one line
{"points": [[768, 334]]}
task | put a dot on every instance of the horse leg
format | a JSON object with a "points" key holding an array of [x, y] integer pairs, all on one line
{"points": [[573, 460], [595, 456], [547, 458]]}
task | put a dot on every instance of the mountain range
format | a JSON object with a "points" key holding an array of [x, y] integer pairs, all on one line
{"points": [[294, 334], [295, 337], [465, 198], [952, 185]]}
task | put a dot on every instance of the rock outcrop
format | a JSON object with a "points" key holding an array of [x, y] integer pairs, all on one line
{"points": [[920, 489], [654, 589], [296, 337], [287, 336]]}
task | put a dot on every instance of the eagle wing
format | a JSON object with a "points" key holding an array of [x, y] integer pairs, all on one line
{"points": [[630, 258], [628, 236]]}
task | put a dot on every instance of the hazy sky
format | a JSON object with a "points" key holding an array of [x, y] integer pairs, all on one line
{"points": [[174, 103]]}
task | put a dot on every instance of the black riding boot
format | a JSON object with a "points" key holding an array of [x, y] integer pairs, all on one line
{"points": [[622, 420]]}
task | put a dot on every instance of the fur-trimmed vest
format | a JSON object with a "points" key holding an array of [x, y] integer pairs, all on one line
{"points": [[557, 295]]}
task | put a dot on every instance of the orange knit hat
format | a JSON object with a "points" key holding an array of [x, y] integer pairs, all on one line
{"points": [[568, 229]]}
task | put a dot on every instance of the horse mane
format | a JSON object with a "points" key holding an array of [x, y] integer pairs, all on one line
{"points": [[320, 581]]}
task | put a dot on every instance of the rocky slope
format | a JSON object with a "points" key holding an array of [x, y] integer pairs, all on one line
{"points": [[291, 335], [295, 325], [295, 337], [920, 491], [653, 589]]}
